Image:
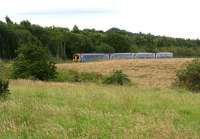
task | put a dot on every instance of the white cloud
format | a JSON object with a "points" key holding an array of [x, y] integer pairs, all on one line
{"points": [[178, 18]]}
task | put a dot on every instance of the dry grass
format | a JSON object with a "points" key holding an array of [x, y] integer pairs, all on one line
{"points": [[149, 73], [62, 110], [53, 110]]}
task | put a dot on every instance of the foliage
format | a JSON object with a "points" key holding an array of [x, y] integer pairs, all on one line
{"points": [[118, 78], [104, 48], [74, 76], [63, 43], [33, 62], [4, 88], [119, 42], [4, 82], [43, 110], [8, 20], [189, 77]]}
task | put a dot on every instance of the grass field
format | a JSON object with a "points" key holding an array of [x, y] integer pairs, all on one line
{"points": [[49, 110], [145, 73]]}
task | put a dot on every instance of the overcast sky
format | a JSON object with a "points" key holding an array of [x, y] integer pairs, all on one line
{"points": [[176, 18]]}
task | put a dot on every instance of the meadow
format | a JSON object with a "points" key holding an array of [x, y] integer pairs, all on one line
{"points": [[150, 108], [144, 72]]}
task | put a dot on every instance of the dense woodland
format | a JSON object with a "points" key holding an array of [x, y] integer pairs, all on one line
{"points": [[63, 43]]}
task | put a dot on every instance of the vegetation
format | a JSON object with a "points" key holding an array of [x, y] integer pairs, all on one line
{"points": [[74, 76], [117, 78], [38, 109], [33, 62], [159, 73], [60, 110], [62, 43], [4, 82], [66, 110], [4, 88], [189, 77]]}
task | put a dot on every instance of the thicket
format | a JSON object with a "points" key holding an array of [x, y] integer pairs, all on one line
{"points": [[33, 62], [189, 77], [63, 43]]}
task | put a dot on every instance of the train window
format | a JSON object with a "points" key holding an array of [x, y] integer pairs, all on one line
{"points": [[78, 58]]}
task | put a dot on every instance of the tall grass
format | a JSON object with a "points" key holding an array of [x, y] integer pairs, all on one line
{"points": [[75, 76], [62, 110], [57, 110]]}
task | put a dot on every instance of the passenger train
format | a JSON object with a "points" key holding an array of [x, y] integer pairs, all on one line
{"points": [[86, 57]]}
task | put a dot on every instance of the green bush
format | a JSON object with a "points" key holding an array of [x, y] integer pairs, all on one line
{"points": [[118, 78], [4, 88], [74, 76], [4, 82], [33, 62], [189, 77]]}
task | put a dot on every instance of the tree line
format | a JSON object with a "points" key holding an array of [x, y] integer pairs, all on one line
{"points": [[63, 42]]}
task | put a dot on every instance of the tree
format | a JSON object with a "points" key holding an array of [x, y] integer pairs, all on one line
{"points": [[119, 42], [75, 29], [8, 41], [78, 43], [63, 43], [104, 48], [8, 20], [25, 24], [33, 62]]}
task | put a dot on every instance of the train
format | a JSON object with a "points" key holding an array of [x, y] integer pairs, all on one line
{"points": [[86, 57]]}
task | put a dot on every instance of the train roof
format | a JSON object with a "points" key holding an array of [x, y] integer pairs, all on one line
{"points": [[164, 53], [90, 53], [144, 53]]}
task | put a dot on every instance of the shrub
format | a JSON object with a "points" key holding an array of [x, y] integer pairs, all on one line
{"points": [[118, 78], [189, 77], [4, 85], [33, 62], [74, 76]]}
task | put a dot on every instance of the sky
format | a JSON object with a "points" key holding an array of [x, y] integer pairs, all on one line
{"points": [[174, 18]]}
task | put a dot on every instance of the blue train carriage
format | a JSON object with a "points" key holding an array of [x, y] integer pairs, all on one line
{"points": [[86, 57], [145, 55], [118, 56], [164, 55]]}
